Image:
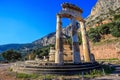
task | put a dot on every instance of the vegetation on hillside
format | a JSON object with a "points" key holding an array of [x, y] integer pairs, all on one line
{"points": [[11, 55], [40, 52], [94, 34], [44, 51], [113, 28]]}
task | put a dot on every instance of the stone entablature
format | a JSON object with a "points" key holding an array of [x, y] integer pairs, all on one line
{"points": [[70, 12], [71, 6]]}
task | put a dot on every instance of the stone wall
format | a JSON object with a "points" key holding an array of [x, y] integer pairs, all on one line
{"points": [[105, 51], [67, 53]]}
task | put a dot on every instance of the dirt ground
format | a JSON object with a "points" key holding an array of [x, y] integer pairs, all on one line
{"points": [[6, 75]]}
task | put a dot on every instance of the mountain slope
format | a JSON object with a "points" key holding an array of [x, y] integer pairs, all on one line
{"points": [[46, 40], [19, 47], [50, 38], [103, 12]]}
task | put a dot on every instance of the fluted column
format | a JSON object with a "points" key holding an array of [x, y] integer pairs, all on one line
{"points": [[86, 48], [75, 43], [59, 44]]}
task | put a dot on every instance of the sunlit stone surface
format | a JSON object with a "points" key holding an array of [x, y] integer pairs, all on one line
{"points": [[56, 63]]}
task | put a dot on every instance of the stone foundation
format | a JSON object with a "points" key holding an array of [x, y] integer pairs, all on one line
{"points": [[53, 68]]}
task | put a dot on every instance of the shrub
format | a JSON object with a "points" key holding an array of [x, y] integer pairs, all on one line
{"points": [[108, 69], [42, 51], [96, 72], [117, 17], [103, 29], [115, 30], [94, 35], [11, 55], [22, 75]]}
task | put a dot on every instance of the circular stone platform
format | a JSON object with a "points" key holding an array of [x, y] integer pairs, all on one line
{"points": [[52, 68]]}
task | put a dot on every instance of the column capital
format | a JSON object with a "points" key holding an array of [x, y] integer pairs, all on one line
{"points": [[59, 18], [82, 21], [58, 15], [82, 24]]}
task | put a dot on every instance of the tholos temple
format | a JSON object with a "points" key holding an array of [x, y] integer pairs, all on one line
{"points": [[62, 58], [74, 14]]}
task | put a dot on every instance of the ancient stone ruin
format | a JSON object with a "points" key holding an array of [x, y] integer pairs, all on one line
{"points": [[74, 14], [56, 64]]}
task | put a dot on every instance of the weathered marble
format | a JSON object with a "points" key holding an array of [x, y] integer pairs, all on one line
{"points": [[52, 54], [59, 45], [85, 42], [74, 14], [59, 67], [75, 43]]}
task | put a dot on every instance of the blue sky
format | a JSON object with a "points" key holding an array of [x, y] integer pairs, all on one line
{"points": [[23, 21]]}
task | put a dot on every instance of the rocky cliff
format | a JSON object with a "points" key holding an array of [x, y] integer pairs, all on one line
{"points": [[103, 12], [44, 41], [50, 38]]}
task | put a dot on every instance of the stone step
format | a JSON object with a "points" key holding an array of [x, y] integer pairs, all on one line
{"points": [[66, 46], [67, 49], [69, 68], [117, 69]]}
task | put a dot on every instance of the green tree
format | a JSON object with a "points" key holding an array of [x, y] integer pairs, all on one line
{"points": [[30, 56], [44, 51], [103, 29], [117, 18], [11, 55], [115, 31], [94, 35]]}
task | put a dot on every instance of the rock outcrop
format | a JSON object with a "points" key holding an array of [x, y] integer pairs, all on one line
{"points": [[103, 12], [50, 38]]}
